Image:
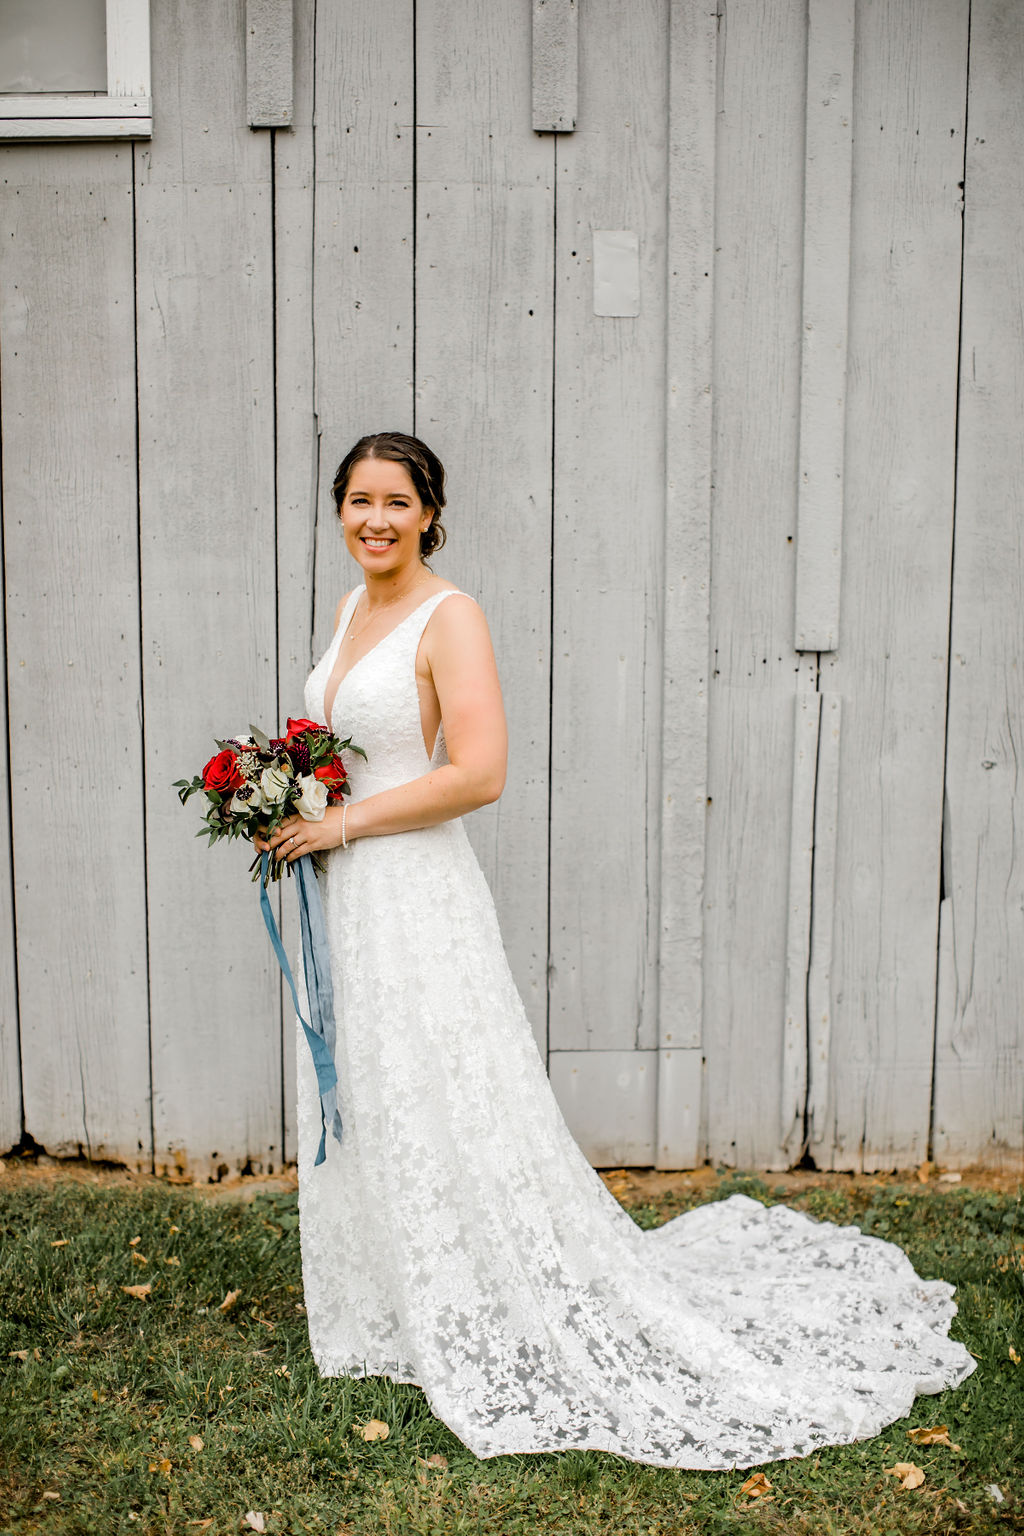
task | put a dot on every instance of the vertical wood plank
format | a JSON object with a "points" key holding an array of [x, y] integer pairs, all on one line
{"points": [[362, 254], [819, 975], [693, 35], [807, 721], [909, 96], [206, 404], [485, 216], [828, 146], [555, 61], [298, 443], [979, 1070], [10, 1044], [754, 671], [609, 552], [71, 548], [608, 1099], [269, 62]]}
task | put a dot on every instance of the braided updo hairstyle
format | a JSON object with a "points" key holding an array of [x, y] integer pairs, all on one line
{"points": [[425, 471]]}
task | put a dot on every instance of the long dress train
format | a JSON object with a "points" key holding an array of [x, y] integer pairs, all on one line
{"points": [[458, 1238]]}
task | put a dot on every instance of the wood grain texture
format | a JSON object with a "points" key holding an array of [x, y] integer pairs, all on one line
{"points": [[828, 145], [269, 62], [979, 1069], [823, 907], [608, 1099], [693, 39], [297, 442], [206, 408], [555, 65], [806, 724], [608, 559], [909, 97], [362, 255], [71, 547], [754, 671], [485, 222]]}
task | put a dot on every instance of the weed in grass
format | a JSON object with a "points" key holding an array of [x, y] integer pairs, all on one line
{"points": [[145, 1415]]}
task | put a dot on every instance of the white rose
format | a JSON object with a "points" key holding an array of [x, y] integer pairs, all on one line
{"points": [[275, 785], [245, 801], [312, 803]]}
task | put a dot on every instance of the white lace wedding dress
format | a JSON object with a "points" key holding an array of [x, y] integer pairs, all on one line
{"points": [[457, 1237]]}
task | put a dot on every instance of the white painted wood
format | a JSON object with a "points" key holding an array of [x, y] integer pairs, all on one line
{"points": [[206, 410], [806, 723], [71, 554], [616, 272], [826, 277], [60, 105], [909, 96], [823, 906], [485, 221], [298, 444], [608, 1099], [689, 317], [269, 63], [40, 129], [609, 554], [128, 62], [979, 1068], [10, 1045], [754, 671], [678, 1109], [362, 254], [555, 72]]}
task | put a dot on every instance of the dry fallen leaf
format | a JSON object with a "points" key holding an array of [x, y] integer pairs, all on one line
{"points": [[282, 1370], [376, 1429], [140, 1292], [50, 1493], [196, 1442], [61, 1242], [937, 1436], [178, 1229], [229, 1301], [925, 1171], [1014, 1355], [17, 1354], [439, 1461], [202, 1525], [254, 1520], [163, 1466], [139, 1258], [133, 1240], [909, 1475], [172, 1261], [756, 1486]]}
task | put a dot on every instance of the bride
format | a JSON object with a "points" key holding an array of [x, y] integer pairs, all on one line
{"points": [[456, 1237]]}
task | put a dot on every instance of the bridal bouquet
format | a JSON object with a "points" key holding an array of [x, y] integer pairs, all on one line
{"points": [[251, 785], [255, 781]]}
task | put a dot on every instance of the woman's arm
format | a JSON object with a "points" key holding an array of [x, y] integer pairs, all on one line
{"points": [[459, 656]]}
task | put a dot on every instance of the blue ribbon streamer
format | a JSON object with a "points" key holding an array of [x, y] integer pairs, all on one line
{"points": [[316, 963]]}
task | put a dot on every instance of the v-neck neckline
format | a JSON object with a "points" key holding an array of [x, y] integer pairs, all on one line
{"points": [[339, 639]]}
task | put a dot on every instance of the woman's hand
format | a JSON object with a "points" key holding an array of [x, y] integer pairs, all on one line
{"points": [[296, 836]]}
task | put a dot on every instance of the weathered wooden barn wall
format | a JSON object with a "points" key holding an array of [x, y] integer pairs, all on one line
{"points": [[716, 321]]}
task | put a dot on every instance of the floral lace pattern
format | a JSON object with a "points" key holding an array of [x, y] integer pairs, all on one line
{"points": [[459, 1239]]}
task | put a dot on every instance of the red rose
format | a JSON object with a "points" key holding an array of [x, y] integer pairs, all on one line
{"points": [[223, 773], [333, 774], [296, 727]]}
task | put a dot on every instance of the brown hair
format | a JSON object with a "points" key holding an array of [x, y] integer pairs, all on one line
{"points": [[425, 471]]}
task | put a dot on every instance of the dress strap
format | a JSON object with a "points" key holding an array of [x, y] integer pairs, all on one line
{"points": [[421, 616]]}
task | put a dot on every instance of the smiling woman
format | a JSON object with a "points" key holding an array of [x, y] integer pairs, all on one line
{"points": [[457, 1237]]}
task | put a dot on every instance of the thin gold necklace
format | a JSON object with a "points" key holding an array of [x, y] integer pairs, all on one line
{"points": [[388, 602]]}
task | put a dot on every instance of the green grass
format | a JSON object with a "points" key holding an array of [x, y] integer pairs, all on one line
{"points": [[101, 1410]]}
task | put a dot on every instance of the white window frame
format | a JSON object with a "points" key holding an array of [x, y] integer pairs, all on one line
{"points": [[123, 111]]}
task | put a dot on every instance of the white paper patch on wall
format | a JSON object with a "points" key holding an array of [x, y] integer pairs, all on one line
{"points": [[616, 272]]}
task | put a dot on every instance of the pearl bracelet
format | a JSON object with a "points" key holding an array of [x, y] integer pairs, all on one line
{"points": [[344, 813]]}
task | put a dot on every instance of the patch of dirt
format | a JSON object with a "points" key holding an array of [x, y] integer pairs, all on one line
{"points": [[631, 1185]]}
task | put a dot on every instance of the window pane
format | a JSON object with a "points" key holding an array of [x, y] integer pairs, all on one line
{"points": [[53, 45]]}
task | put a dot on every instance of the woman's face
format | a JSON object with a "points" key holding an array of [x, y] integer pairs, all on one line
{"points": [[383, 517]]}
